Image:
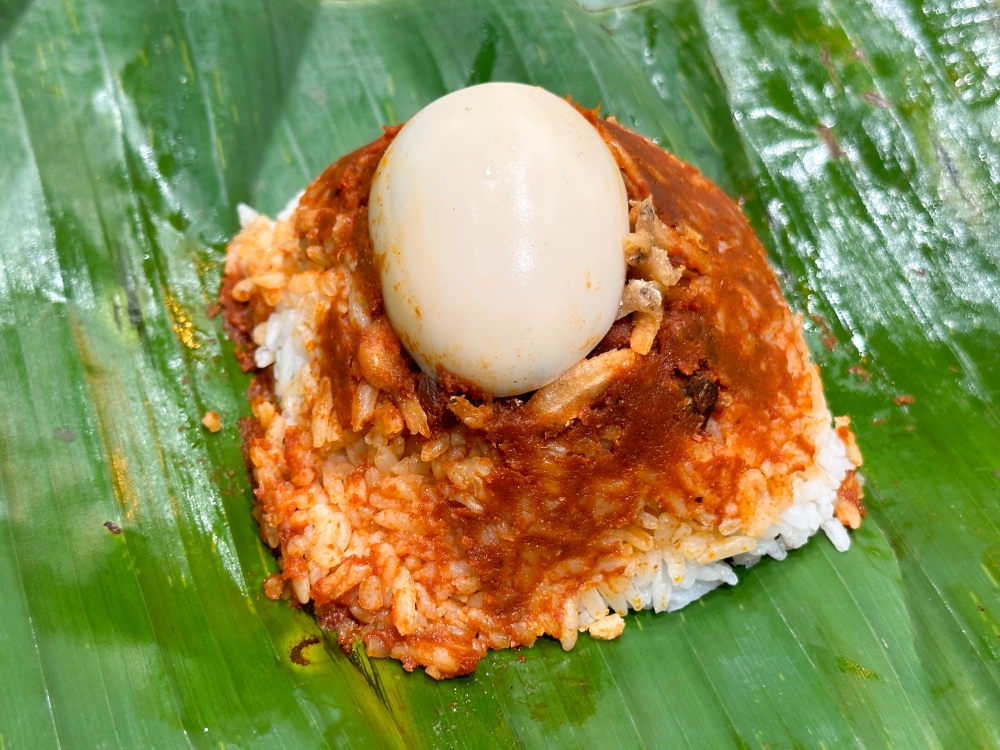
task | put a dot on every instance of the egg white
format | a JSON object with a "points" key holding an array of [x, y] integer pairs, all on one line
{"points": [[497, 216]]}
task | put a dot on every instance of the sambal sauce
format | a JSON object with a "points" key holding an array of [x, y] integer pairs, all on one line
{"points": [[505, 514]]}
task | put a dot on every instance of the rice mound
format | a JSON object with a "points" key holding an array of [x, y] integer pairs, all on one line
{"points": [[360, 512]]}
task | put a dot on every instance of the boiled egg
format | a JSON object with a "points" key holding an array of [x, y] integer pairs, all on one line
{"points": [[497, 216]]}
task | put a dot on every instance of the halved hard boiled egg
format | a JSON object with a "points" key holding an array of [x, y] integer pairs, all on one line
{"points": [[497, 216]]}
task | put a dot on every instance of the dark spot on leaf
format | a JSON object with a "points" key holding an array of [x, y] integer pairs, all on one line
{"points": [[848, 666], [996, 473], [860, 371], [875, 100], [113, 527], [824, 56], [482, 65], [178, 221], [166, 164], [64, 435], [133, 308], [652, 30], [296, 654], [953, 174], [894, 541], [826, 336], [826, 135]]}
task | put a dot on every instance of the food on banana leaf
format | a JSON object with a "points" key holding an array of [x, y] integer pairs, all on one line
{"points": [[461, 441]]}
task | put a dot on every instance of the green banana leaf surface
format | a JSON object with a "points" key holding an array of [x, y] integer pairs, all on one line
{"points": [[863, 138]]}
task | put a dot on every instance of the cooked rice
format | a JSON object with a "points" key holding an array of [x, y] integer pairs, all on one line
{"points": [[353, 509]]}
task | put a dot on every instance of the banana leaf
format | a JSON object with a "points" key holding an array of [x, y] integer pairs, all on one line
{"points": [[862, 137]]}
